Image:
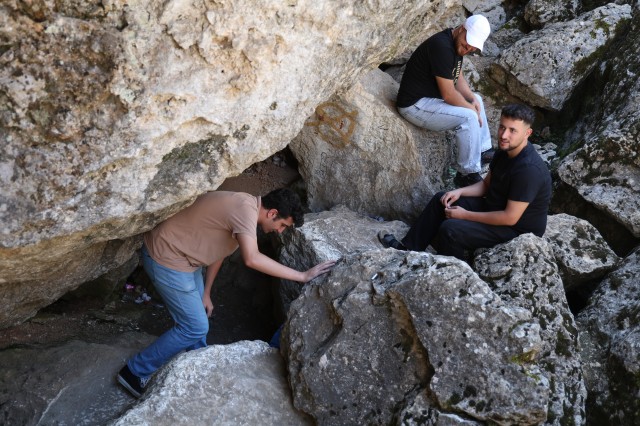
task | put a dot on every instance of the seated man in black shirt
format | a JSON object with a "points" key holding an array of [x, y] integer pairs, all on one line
{"points": [[512, 199]]}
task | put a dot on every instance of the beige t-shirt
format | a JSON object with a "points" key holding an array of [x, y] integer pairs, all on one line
{"points": [[204, 232]]}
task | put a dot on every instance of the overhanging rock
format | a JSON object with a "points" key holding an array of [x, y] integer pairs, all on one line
{"points": [[114, 117]]}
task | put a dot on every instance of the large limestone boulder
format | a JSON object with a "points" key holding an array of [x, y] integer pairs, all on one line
{"points": [[391, 334], [114, 117], [544, 67], [610, 339], [356, 150], [523, 272], [387, 325], [606, 173], [329, 235], [241, 383], [606, 170], [581, 253], [538, 13]]}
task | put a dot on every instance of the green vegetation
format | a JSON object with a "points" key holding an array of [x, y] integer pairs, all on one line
{"points": [[584, 66], [524, 358], [455, 398], [601, 24]]}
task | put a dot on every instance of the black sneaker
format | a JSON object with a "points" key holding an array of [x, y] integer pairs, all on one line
{"points": [[466, 180], [134, 384], [389, 240], [487, 156]]}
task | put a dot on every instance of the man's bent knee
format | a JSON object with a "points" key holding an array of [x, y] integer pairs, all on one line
{"points": [[196, 330]]}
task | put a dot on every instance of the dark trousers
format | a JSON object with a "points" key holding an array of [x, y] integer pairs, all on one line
{"points": [[451, 237]]}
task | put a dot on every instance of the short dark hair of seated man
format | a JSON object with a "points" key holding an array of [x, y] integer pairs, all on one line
{"points": [[512, 199]]}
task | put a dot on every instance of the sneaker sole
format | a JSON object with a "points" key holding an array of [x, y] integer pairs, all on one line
{"points": [[128, 387]]}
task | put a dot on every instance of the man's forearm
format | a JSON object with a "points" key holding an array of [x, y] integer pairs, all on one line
{"points": [[456, 98], [497, 218], [507, 217], [463, 88], [467, 95], [210, 276], [266, 265], [451, 95]]}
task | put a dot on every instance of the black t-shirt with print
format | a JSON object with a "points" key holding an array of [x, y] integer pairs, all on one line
{"points": [[434, 57]]}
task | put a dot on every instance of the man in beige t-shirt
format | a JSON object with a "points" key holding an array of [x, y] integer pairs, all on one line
{"points": [[202, 235]]}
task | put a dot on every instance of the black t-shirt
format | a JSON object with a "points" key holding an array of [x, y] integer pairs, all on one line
{"points": [[523, 178], [434, 57]]}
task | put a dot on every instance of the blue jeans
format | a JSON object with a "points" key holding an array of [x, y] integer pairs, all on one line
{"points": [[182, 293], [275, 339], [471, 139]]}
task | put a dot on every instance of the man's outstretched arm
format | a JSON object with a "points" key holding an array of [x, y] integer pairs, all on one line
{"points": [[255, 260]]}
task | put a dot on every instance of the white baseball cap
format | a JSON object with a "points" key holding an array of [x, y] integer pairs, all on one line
{"points": [[478, 29]]}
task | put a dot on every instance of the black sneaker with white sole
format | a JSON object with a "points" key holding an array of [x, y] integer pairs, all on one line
{"points": [[389, 240], [134, 384]]}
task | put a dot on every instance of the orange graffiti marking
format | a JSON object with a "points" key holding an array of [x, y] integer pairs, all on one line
{"points": [[335, 125]]}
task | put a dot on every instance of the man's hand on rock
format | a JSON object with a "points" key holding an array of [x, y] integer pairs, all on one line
{"points": [[319, 269]]}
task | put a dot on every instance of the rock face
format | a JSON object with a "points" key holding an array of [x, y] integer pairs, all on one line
{"points": [[71, 383], [393, 335], [356, 150], [329, 235], [538, 13], [522, 272], [114, 117], [38, 279], [581, 253], [610, 340], [241, 383], [606, 170], [421, 413], [544, 67], [606, 173]]}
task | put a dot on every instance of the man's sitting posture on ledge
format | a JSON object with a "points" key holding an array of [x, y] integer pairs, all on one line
{"points": [[512, 199]]}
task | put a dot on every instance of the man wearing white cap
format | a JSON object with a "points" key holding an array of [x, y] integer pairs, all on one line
{"points": [[435, 95]]}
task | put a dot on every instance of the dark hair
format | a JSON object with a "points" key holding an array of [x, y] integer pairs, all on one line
{"points": [[287, 203], [519, 112]]}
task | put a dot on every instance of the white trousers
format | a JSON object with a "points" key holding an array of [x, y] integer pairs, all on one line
{"points": [[471, 139]]}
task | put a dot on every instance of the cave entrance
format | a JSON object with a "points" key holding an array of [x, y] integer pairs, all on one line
{"points": [[247, 305]]}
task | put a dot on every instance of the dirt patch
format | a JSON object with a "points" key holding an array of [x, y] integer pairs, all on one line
{"points": [[278, 171], [87, 319]]}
